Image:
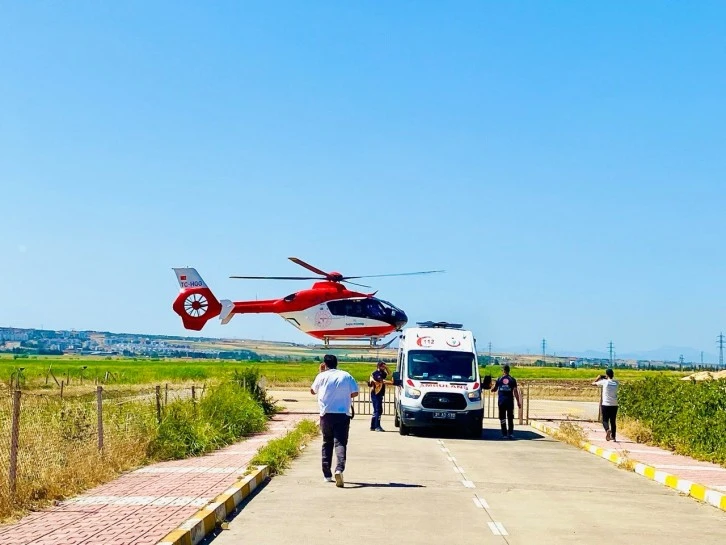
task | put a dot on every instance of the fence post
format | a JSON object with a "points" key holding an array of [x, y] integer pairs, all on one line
{"points": [[528, 402], [14, 440], [62, 383], [166, 394], [521, 410], [99, 410], [158, 404]]}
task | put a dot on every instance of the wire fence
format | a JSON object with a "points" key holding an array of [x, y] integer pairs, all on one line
{"points": [[51, 446]]}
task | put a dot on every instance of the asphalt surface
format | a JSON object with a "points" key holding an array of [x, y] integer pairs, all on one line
{"points": [[437, 488]]}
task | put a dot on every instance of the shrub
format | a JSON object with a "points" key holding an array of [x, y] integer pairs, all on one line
{"points": [[686, 416], [233, 412], [225, 415], [278, 453], [249, 379]]}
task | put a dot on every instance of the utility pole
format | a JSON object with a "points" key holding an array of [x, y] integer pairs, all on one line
{"points": [[680, 361], [701, 359], [490, 353], [720, 350], [544, 348], [612, 356]]}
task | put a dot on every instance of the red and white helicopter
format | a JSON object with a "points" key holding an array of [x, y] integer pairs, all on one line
{"points": [[328, 311]]}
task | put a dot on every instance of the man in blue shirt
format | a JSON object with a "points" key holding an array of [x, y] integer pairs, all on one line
{"points": [[335, 390], [506, 385]]}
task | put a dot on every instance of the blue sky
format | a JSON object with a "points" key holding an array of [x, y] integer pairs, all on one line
{"points": [[564, 162]]}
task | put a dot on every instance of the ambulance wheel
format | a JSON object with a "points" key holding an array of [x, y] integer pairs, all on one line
{"points": [[403, 429], [473, 430]]}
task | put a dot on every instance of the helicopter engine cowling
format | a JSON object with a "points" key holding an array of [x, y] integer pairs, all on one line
{"points": [[196, 307]]}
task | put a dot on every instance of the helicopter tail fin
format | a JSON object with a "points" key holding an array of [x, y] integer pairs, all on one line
{"points": [[195, 304]]}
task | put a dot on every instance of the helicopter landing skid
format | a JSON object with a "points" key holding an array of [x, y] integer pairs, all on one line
{"points": [[371, 344]]}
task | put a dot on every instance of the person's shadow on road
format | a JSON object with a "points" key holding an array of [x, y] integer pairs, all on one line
{"points": [[349, 484]]}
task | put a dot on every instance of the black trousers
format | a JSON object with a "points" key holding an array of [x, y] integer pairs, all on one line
{"points": [[506, 416], [609, 414], [335, 428]]}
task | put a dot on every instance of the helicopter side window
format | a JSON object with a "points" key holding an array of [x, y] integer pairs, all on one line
{"points": [[290, 297], [338, 308]]}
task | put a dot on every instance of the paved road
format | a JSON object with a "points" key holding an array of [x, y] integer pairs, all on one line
{"points": [[430, 490]]}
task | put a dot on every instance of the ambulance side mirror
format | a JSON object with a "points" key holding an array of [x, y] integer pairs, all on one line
{"points": [[397, 379], [486, 383]]}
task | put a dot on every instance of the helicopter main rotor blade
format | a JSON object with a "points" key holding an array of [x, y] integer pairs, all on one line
{"points": [[308, 266], [278, 277], [356, 284], [396, 274]]}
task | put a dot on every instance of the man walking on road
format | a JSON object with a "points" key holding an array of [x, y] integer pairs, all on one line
{"points": [[609, 402], [335, 390], [506, 385]]}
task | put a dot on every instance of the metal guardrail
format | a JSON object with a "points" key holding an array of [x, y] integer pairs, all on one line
{"points": [[363, 406]]}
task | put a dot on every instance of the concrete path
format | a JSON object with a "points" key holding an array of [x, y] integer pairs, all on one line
{"points": [[435, 488], [684, 468], [143, 506]]}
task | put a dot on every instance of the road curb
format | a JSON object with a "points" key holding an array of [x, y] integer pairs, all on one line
{"points": [[698, 491], [194, 529]]}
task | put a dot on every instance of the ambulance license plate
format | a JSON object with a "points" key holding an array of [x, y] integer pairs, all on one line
{"points": [[445, 415]]}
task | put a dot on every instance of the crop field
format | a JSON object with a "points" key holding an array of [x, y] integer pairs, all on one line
{"points": [[47, 372]]}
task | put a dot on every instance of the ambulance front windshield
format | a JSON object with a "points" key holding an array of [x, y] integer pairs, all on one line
{"points": [[441, 365]]}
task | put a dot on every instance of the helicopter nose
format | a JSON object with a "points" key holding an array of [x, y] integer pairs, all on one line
{"points": [[401, 320]]}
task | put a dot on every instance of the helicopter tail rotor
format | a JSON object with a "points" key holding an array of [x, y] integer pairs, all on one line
{"points": [[195, 304]]}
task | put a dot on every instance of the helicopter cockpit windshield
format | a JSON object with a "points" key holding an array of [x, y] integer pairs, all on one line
{"points": [[369, 307]]}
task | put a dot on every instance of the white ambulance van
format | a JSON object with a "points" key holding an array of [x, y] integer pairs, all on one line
{"points": [[437, 379]]}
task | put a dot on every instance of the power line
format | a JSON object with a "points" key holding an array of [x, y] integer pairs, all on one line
{"points": [[544, 348]]}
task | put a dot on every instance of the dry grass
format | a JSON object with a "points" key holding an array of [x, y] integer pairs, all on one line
{"points": [[58, 454], [571, 433], [635, 430], [626, 462]]}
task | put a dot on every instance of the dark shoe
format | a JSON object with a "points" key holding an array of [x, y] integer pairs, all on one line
{"points": [[510, 436], [608, 435], [380, 429]]}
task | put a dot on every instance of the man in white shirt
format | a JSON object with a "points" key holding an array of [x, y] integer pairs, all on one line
{"points": [[335, 390], [608, 402]]}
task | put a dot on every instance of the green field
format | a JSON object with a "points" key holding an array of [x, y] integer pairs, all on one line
{"points": [[128, 371]]}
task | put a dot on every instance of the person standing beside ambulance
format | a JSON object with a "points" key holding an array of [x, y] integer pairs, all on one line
{"points": [[377, 383], [506, 385]]}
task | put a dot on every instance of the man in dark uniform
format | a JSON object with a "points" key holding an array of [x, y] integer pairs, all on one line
{"points": [[506, 385], [377, 383]]}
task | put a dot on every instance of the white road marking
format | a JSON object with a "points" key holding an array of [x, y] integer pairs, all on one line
{"points": [[497, 529], [689, 468], [457, 469], [164, 501], [481, 503], [451, 459], [189, 469], [468, 484]]}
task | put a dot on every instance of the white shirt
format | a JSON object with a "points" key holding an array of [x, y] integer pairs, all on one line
{"points": [[609, 391], [333, 388]]}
